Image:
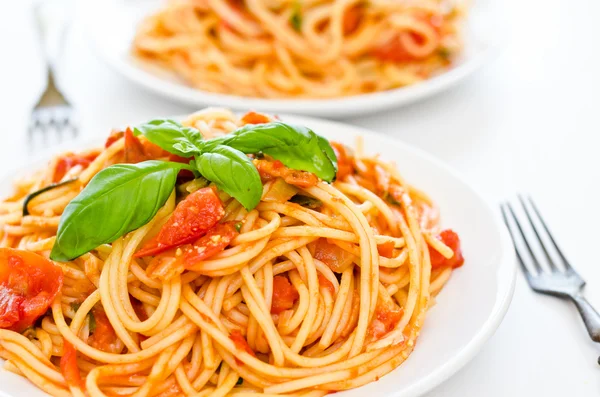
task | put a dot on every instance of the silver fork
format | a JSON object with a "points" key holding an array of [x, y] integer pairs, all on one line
{"points": [[557, 278], [53, 113]]}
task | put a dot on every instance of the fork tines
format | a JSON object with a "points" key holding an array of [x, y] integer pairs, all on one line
{"points": [[534, 244]]}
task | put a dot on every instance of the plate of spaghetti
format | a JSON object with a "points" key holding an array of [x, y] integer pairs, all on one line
{"points": [[330, 58], [234, 255]]}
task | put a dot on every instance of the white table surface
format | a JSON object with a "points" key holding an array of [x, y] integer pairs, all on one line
{"points": [[528, 121]]}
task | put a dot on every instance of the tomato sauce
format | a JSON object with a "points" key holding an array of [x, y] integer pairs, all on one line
{"points": [[284, 295], [273, 169], [192, 218], [451, 239]]}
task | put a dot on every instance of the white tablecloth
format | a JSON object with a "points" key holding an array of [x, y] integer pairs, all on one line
{"points": [[528, 121]]}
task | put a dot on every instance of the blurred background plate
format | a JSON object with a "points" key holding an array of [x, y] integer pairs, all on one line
{"points": [[111, 27]]}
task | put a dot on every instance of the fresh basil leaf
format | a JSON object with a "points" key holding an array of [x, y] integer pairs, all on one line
{"points": [[119, 199], [295, 146], [172, 137], [328, 150], [233, 172]]}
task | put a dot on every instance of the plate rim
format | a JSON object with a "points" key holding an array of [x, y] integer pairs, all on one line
{"points": [[337, 107]]}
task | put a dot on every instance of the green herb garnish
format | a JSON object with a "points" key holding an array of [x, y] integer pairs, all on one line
{"points": [[444, 53], [33, 195], [390, 199], [308, 202], [296, 17], [124, 197], [118, 199]]}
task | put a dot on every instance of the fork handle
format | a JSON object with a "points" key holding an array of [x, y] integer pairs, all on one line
{"points": [[590, 316], [51, 18]]}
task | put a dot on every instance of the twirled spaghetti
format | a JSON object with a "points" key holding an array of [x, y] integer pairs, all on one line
{"points": [[301, 48], [325, 287]]}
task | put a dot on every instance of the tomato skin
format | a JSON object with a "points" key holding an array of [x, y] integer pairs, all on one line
{"points": [[451, 239], [386, 249], [65, 163], [345, 161], [273, 169], [333, 256], [104, 336], [192, 218], [323, 282], [240, 342], [393, 51], [137, 150], [176, 260], [284, 295], [28, 285], [352, 19], [387, 316], [68, 366], [255, 118], [112, 138], [213, 242]]}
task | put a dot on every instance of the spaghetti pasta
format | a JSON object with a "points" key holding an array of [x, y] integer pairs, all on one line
{"points": [[301, 48], [318, 288]]}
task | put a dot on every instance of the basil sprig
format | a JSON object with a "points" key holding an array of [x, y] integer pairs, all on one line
{"points": [[124, 197], [119, 199], [172, 137], [233, 172], [295, 146]]}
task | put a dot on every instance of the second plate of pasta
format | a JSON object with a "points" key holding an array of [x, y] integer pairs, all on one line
{"points": [[330, 58]]}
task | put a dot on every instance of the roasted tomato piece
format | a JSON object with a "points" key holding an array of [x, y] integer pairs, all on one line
{"points": [[273, 169], [137, 150], [284, 295], [386, 249], [387, 315], [112, 138], [323, 282], [103, 336], [451, 239], [255, 118], [192, 218], [65, 163], [68, 366], [240, 342], [28, 285], [175, 260], [333, 256], [213, 242]]}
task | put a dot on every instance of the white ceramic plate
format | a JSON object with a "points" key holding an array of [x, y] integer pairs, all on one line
{"points": [[469, 308], [111, 26]]}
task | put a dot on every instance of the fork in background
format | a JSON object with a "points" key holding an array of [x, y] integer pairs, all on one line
{"points": [[53, 116], [557, 278]]}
